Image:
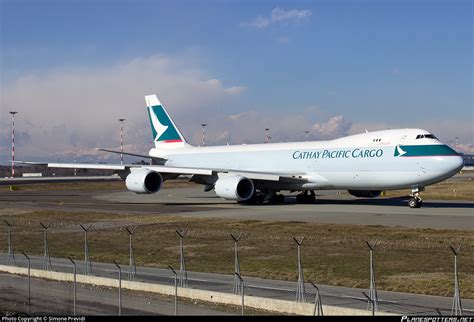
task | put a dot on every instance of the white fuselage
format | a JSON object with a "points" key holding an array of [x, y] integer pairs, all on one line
{"points": [[381, 160]]}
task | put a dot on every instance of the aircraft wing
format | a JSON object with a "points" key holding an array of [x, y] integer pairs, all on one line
{"points": [[32, 180], [254, 175], [265, 176], [98, 166], [160, 160]]}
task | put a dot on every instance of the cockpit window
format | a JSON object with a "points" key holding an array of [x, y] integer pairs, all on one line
{"points": [[426, 136]]}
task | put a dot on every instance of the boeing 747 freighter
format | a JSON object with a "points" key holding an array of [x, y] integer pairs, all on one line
{"points": [[364, 164]]}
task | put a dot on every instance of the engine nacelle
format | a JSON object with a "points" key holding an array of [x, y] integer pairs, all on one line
{"points": [[234, 187], [365, 193], [143, 181]]}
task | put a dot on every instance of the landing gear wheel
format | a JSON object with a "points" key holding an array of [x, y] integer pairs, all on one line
{"points": [[256, 199], [306, 197], [280, 198], [412, 203], [415, 203], [260, 198]]}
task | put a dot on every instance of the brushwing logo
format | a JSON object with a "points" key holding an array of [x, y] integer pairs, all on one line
{"points": [[399, 152], [162, 127], [159, 128]]}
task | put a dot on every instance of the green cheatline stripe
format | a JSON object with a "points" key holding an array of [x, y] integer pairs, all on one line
{"points": [[425, 150]]}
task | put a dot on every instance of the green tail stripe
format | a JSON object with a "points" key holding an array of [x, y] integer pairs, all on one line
{"points": [[170, 134]]}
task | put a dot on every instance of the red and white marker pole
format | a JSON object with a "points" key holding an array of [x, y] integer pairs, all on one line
{"points": [[121, 140], [13, 143], [203, 134], [267, 135], [75, 159]]}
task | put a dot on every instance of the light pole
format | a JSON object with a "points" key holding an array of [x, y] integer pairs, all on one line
{"points": [[75, 158], [121, 140], [267, 135], [307, 135], [13, 142], [203, 133]]}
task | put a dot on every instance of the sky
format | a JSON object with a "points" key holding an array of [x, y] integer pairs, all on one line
{"points": [[333, 67]]}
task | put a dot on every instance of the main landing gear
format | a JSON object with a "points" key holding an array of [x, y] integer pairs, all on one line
{"points": [[265, 196], [415, 200], [306, 197]]}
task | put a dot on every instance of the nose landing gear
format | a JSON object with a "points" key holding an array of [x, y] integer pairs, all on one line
{"points": [[415, 201]]}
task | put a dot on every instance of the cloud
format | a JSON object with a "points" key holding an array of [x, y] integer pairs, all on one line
{"points": [[278, 16], [60, 108], [335, 127], [249, 127], [283, 40], [465, 148], [259, 23], [235, 90]]}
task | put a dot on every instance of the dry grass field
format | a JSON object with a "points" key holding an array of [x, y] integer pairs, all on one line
{"points": [[407, 260]]}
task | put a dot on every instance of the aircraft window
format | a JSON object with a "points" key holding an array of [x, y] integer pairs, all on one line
{"points": [[426, 136]]}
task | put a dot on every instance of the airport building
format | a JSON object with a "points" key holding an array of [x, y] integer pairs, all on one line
{"points": [[468, 160]]}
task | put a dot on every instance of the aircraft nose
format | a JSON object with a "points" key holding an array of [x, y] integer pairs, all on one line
{"points": [[457, 163]]}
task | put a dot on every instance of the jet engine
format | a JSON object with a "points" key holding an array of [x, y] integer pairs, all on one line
{"points": [[234, 187], [365, 193], [143, 181]]}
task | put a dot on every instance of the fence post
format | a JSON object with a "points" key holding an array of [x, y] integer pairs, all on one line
{"points": [[183, 275], [11, 254], [120, 287], [29, 281], [74, 296], [241, 290], [87, 258], [175, 290], [300, 290], [46, 258], [371, 301], [237, 262], [133, 268], [373, 286], [318, 306], [457, 307]]}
